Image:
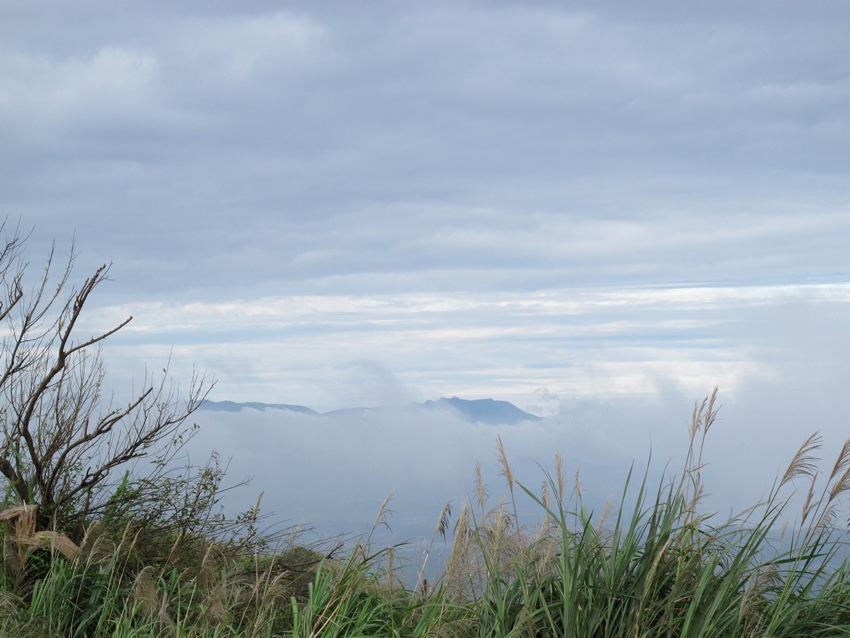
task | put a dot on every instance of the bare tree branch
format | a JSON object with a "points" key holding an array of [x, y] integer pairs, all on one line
{"points": [[60, 445]]}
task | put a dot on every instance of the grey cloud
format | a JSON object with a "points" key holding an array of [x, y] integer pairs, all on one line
{"points": [[371, 383], [317, 147]]}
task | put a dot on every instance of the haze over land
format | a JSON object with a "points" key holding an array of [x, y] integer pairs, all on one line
{"points": [[597, 213]]}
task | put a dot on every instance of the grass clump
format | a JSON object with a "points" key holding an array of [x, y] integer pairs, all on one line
{"points": [[653, 564], [659, 567]]}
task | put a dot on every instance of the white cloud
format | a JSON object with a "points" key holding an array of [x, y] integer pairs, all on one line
{"points": [[575, 342], [230, 52], [44, 96]]}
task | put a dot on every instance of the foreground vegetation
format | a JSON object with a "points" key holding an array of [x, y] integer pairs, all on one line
{"points": [[656, 567]]}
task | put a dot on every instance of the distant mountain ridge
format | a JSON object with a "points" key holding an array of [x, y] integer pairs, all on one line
{"points": [[486, 411], [232, 406]]}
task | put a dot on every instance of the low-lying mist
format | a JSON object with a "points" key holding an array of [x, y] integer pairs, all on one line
{"points": [[332, 473]]}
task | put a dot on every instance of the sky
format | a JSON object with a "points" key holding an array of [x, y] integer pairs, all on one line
{"points": [[597, 211]]}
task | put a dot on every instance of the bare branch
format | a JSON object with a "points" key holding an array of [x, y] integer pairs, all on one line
{"points": [[61, 359], [60, 447]]}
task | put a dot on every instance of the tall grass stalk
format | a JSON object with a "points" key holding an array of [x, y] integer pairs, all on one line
{"points": [[661, 567]]}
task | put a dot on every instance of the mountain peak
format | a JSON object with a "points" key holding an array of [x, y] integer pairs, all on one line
{"points": [[487, 411]]}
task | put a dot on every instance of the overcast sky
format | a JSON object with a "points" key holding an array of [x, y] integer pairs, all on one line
{"points": [[557, 204]]}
